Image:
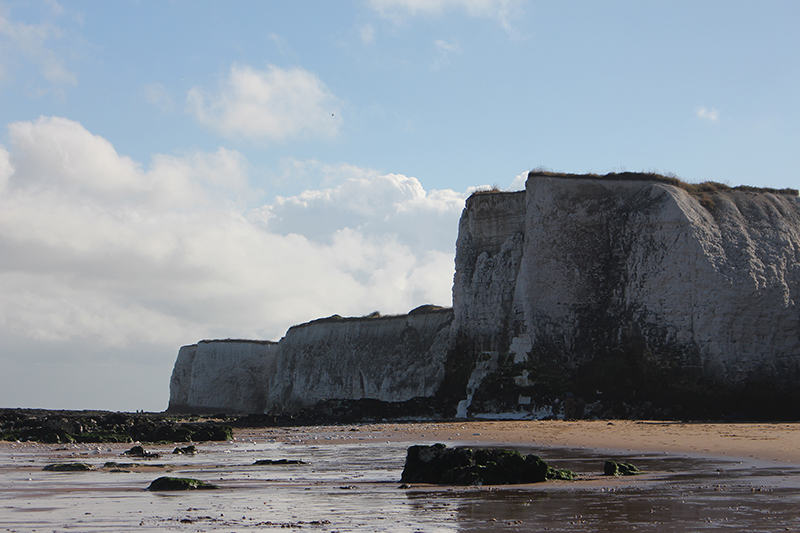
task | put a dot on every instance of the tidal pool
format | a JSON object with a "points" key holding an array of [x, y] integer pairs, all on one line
{"points": [[355, 486]]}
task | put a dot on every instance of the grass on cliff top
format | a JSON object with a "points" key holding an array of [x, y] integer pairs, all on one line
{"points": [[691, 188], [376, 315]]}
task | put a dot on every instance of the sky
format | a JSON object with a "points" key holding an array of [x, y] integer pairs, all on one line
{"points": [[172, 171]]}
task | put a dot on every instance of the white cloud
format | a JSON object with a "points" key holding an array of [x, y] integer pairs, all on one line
{"points": [[518, 184], [5, 167], [705, 113], [98, 250], [313, 173], [31, 43], [502, 10], [377, 206], [268, 104], [58, 156]]}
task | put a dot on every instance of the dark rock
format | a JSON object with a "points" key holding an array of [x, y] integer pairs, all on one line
{"points": [[560, 474], [484, 466], [179, 483], [113, 464], [210, 431], [186, 450], [343, 411], [62, 424], [614, 468], [40, 425], [279, 462], [67, 467], [138, 451]]}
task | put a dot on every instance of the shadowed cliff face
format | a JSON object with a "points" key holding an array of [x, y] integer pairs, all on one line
{"points": [[636, 292], [639, 296]]}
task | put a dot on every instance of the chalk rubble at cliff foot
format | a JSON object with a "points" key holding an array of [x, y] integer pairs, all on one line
{"points": [[637, 294]]}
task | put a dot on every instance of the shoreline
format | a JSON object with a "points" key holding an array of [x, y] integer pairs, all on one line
{"points": [[765, 441], [776, 442]]}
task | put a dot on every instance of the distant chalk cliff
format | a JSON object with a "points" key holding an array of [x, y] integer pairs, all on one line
{"points": [[639, 294], [391, 358]]}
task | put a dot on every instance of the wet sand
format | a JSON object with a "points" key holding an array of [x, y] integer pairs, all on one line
{"points": [[697, 477], [764, 441]]}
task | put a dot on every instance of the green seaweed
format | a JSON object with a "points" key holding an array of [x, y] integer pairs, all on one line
{"points": [[616, 468], [167, 483], [483, 466], [67, 467]]}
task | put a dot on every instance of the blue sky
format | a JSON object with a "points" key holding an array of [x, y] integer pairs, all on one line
{"points": [[174, 170]]}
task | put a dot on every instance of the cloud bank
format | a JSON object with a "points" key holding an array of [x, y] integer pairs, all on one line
{"points": [[97, 249]]}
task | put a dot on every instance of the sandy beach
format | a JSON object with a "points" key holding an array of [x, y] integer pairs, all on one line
{"points": [[763, 441], [696, 476]]}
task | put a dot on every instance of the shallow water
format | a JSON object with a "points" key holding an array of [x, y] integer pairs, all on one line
{"points": [[355, 487]]}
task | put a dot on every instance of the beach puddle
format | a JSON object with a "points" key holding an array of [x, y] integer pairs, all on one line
{"points": [[355, 486]]}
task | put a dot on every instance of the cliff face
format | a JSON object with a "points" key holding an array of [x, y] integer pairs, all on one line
{"points": [[222, 376], [627, 292], [633, 290], [489, 252], [487, 304], [388, 358], [393, 358]]}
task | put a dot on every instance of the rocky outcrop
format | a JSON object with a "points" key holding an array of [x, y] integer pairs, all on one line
{"points": [[441, 465], [179, 483], [40, 425], [638, 294]]}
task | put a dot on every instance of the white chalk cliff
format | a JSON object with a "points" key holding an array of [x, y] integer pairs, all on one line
{"points": [[622, 288], [222, 376], [391, 358]]}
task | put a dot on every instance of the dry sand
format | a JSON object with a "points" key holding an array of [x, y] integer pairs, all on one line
{"points": [[762, 441]]}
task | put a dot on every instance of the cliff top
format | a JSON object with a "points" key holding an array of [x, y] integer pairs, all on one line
{"points": [[250, 341], [422, 309], [691, 188]]}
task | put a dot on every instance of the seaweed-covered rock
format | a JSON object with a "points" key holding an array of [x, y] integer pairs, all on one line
{"points": [[101, 426], [484, 466], [560, 474], [186, 450], [114, 464], [262, 462], [179, 483], [614, 468], [67, 467], [138, 451]]}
